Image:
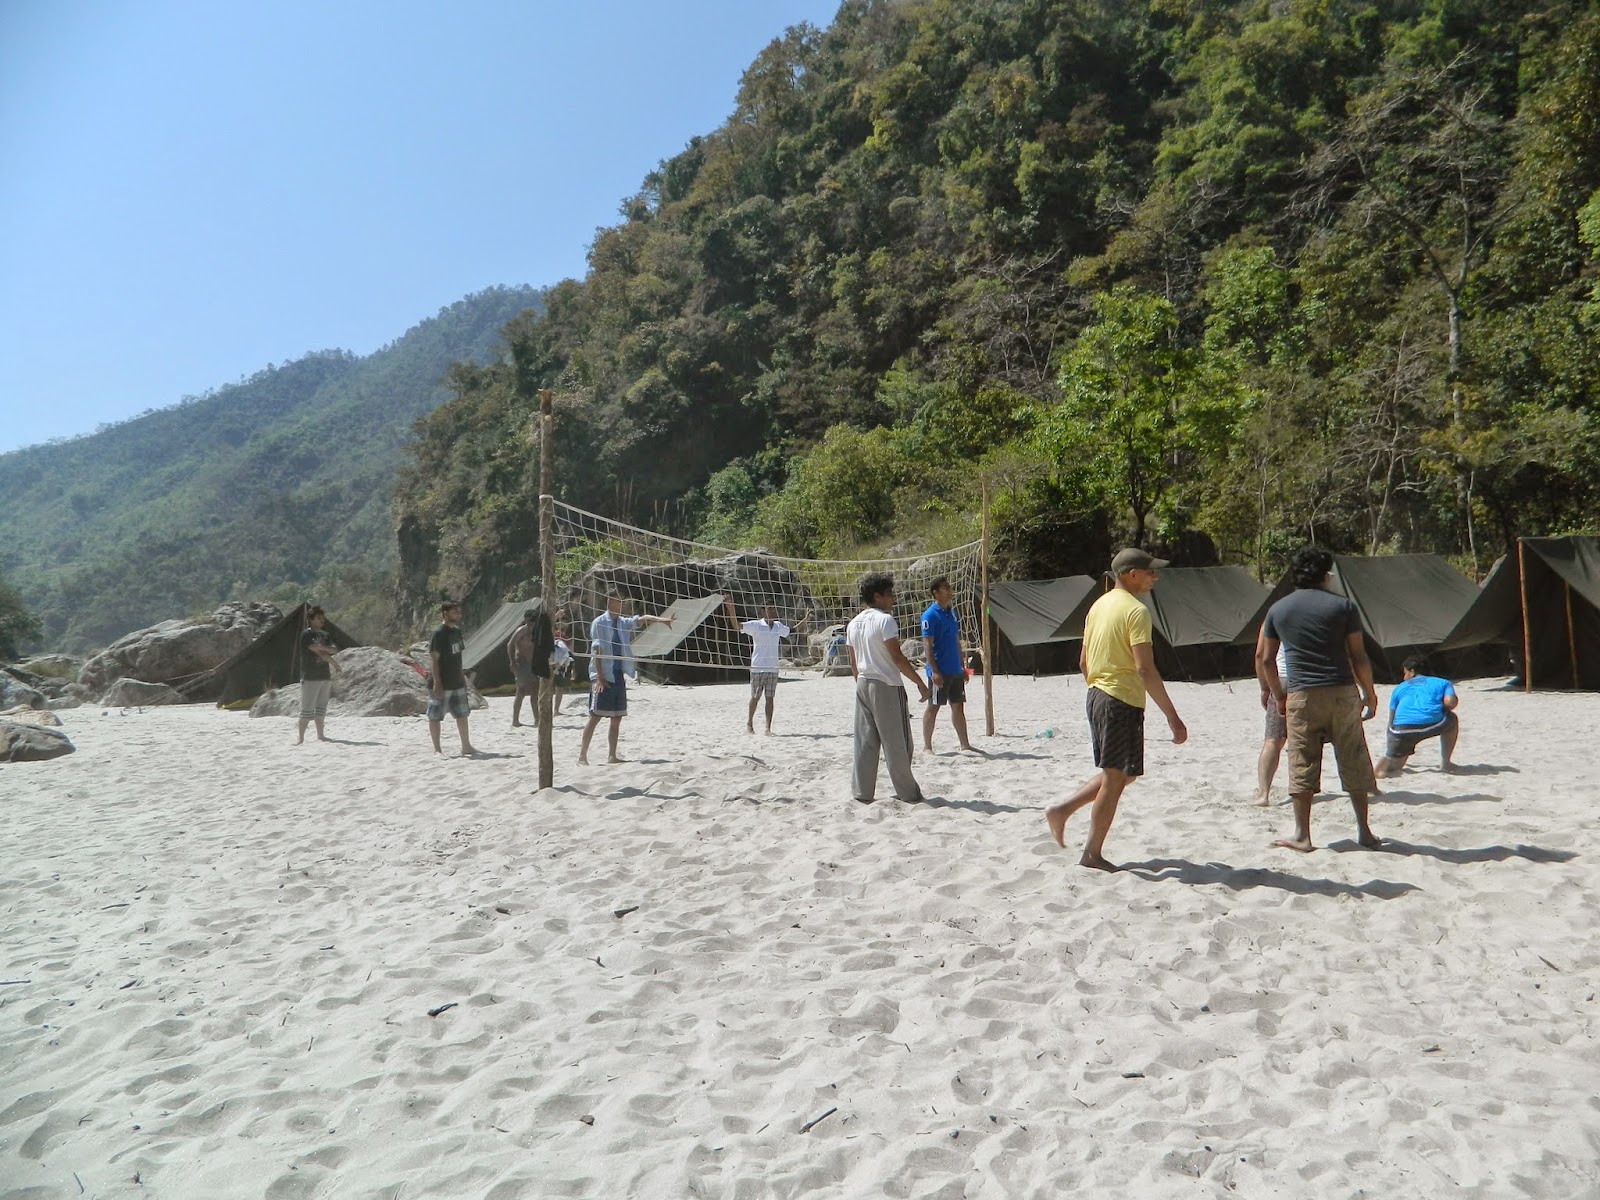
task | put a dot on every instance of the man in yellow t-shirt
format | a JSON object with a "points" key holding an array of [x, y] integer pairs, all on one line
{"points": [[1120, 669]]}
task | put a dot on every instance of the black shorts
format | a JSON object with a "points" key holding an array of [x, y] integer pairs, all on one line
{"points": [[954, 690], [1404, 739], [1117, 732]]}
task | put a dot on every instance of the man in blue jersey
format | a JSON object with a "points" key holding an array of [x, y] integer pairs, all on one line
{"points": [[947, 675], [1422, 706]]}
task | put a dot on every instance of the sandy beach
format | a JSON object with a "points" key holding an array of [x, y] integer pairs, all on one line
{"points": [[237, 968]]}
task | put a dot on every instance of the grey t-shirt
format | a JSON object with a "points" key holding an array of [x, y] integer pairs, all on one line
{"points": [[1312, 625]]}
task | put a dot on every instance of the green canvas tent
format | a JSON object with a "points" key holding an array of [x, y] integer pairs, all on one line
{"points": [[484, 654], [1204, 621], [271, 661], [1038, 623], [1557, 582]]}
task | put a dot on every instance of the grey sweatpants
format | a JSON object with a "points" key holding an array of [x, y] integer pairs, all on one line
{"points": [[883, 720]]}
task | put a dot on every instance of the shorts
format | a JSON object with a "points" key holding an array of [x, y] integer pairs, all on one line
{"points": [[1277, 727], [954, 690], [1404, 739], [763, 683], [1116, 730], [457, 702], [314, 695], [1331, 714], [613, 702], [527, 681]]}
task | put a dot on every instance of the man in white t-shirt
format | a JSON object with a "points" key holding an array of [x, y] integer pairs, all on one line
{"points": [[764, 633], [883, 719]]}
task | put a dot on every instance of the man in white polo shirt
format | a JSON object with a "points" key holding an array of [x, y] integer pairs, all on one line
{"points": [[883, 720], [764, 633]]}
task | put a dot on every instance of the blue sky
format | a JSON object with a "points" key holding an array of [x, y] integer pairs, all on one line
{"points": [[190, 191]]}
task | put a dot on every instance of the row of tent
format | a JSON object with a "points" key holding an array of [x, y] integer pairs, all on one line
{"points": [[1537, 615], [1205, 619]]}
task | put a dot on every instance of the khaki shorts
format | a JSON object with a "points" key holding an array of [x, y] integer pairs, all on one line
{"points": [[1331, 714]]}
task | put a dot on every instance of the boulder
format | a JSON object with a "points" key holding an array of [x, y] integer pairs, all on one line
{"points": [[53, 666], [136, 693], [176, 650], [31, 716], [14, 691], [369, 682], [61, 703], [31, 743]]}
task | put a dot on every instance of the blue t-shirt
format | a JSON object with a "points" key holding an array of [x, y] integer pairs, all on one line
{"points": [[1419, 701], [941, 625]]}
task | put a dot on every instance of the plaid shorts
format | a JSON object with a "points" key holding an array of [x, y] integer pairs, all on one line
{"points": [[457, 702], [763, 683], [1117, 732]]}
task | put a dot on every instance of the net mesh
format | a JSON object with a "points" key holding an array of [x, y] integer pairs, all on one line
{"points": [[814, 597]]}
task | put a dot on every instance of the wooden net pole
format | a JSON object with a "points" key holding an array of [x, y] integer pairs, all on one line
{"points": [[1527, 633], [547, 578], [983, 618], [1572, 642]]}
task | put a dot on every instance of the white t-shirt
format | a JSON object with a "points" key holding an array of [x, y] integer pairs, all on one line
{"points": [[867, 632], [764, 641]]}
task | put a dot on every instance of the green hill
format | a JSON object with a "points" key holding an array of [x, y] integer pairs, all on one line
{"points": [[279, 484], [1214, 276]]}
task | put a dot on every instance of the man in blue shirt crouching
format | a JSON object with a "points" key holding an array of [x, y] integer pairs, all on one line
{"points": [[1422, 706]]}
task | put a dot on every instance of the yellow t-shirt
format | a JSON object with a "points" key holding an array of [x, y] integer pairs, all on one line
{"points": [[1116, 623]]}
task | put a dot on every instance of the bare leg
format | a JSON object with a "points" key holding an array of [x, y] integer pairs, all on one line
{"points": [[555, 700], [1266, 768], [321, 736], [1447, 745], [1364, 834], [958, 718], [930, 718], [1302, 825], [611, 737], [1104, 812], [1388, 768], [770, 701], [516, 707], [301, 737], [1057, 814], [750, 717], [433, 732], [588, 733], [466, 742]]}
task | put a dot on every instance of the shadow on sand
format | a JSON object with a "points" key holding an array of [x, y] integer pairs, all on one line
{"points": [[1408, 797], [1241, 879], [988, 807], [1478, 854]]}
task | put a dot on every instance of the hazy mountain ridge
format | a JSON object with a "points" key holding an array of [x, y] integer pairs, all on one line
{"points": [[278, 483]]}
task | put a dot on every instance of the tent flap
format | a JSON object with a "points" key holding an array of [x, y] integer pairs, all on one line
{"points": [[1033, 612], [687, 615]]}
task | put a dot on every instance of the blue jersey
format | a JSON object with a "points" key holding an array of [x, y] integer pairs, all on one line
{"points": [[1419, 701], [941, 625]]}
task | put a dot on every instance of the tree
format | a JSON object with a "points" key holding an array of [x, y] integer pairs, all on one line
{"points": [[18, 626]]}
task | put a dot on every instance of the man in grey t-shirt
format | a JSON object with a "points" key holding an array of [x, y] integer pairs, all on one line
{"points": [[1326, 655]]}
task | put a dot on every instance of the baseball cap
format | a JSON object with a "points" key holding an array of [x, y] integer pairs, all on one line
{"points": [[1134, 559]]}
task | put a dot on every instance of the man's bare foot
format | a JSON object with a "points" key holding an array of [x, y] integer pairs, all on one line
{"points": [[750, 729], [300, 741], [1304, 847], [583, 760], [1369, 840], [1056, 816], [320, 738], [1262, 800], [1098, 862], [516, 724], [614, 759]]}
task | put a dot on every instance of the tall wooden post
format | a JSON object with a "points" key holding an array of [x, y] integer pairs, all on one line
{"points": [[983, 618], [1527, 633], [1572, 641], [547, 577]]}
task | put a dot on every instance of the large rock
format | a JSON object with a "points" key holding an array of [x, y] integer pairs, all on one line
{"points": [[136, 693], [30, 716], [31, 743], [177, 650], [369, 682], [15, 691], [53, 666]]}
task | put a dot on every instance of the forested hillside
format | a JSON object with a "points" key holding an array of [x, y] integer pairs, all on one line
{"points": [[1216, 276], [277, 486]]}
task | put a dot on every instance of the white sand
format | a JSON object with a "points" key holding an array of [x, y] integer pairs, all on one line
{"points": [[230, 948]]}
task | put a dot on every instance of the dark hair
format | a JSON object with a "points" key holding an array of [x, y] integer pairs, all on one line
{"points": [[614, 594], [1417, 663], [874, 585], [1309, 566], [942, 581], [315, 611], [449, 604], [530, 615]]}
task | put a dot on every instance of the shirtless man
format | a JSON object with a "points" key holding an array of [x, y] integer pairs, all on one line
{"points": [[519, 649]]}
